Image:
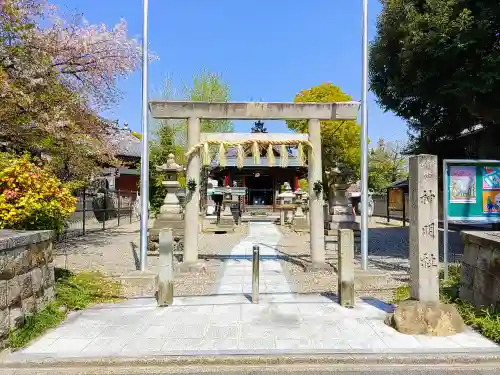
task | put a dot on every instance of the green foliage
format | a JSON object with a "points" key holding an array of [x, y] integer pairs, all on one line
{"points": [[191, 185], [486, 321], [341, 139], [387, 165], [79, 291], [318, 187], [170, 136], [304, 184], [73, 292], [210, 87], [36, 325], [137, 135], [436, 64]]}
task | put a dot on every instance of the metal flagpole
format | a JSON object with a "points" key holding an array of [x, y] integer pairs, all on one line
{"points": [[364, 143], [145, 148]]}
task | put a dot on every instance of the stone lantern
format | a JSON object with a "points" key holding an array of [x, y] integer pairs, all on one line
{"points": [[300, 222], [226, 220], [286, 199], [341, 213], [171, 211]]}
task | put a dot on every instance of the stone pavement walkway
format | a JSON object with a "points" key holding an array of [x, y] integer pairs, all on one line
{"points": [[230, 324], [236, 274]]}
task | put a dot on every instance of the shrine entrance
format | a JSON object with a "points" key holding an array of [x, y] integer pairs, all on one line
{"points": [[260, 189], [199, 150]]}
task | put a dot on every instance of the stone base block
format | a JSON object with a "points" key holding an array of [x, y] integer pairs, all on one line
{"points": [[342, 223], [371, 279], [219, 228], [154, 250], [138, 284], [426, 318], [176, 226], [300, 224], [197, 267], [346, 293], [315, 267], [331, 239]]}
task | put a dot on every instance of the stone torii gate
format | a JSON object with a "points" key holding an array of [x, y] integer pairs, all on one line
{"points": [[312, 112]]}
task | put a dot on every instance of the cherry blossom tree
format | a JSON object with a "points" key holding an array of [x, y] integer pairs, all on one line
{"points": [[55, 78]]}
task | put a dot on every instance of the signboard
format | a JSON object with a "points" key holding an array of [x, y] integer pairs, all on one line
{"points": [[396, 200], [462, 184], [491, 178], [473, 191]]}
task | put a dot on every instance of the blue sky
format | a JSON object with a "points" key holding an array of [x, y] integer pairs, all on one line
{"points": [[265, 50]]}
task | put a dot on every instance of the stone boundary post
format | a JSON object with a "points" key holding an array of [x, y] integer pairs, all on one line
{"points": [[346, 267], [165, 296], [424, 230]]}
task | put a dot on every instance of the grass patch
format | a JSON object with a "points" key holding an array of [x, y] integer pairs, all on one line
{"points": [[73, 292], [485, 321]]}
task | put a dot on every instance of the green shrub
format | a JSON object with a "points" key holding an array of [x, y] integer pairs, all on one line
{"points": [[32, 197]]}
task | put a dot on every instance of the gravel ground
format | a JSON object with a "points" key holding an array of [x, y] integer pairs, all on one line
{"points": [[114, 252], [295, 248]]}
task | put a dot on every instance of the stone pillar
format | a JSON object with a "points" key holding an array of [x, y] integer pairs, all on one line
{"points": [[317, 220], [346, 267], [424, 250], [165, 295], [192, 207]]}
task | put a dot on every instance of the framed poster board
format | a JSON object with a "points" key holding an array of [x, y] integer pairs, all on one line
{"points": [[472, 191]]}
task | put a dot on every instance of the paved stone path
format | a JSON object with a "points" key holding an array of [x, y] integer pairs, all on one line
{"points": [[281, 323], [236, 274]]}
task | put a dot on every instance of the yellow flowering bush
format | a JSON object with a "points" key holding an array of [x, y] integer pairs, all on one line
{"points": [[31, 197]]}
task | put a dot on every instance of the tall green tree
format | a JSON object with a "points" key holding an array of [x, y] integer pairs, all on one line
{"points": [[170, 136], [387, 164], [341, 140], [436, 63]]}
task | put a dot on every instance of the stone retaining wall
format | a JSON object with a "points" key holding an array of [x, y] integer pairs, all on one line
{"points": [[480, 271], [26, 276]]}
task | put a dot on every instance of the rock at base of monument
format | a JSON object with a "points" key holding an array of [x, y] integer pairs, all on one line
{"points": [[196, 267], [426, 318], [317, 267]]}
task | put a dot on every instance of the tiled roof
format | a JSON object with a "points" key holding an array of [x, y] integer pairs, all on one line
{"points": [[125, 142]]}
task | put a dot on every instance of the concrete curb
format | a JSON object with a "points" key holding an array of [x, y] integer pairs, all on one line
{"points": [[254, 358]]}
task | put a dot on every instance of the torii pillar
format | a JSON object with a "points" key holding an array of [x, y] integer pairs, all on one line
{"points": [[316, 213]]}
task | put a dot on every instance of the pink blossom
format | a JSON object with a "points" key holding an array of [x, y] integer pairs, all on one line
{"points": [[10, 194]]}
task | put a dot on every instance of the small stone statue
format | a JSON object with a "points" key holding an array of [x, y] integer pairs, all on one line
{"points": [[235, 184], [287, 186]]}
